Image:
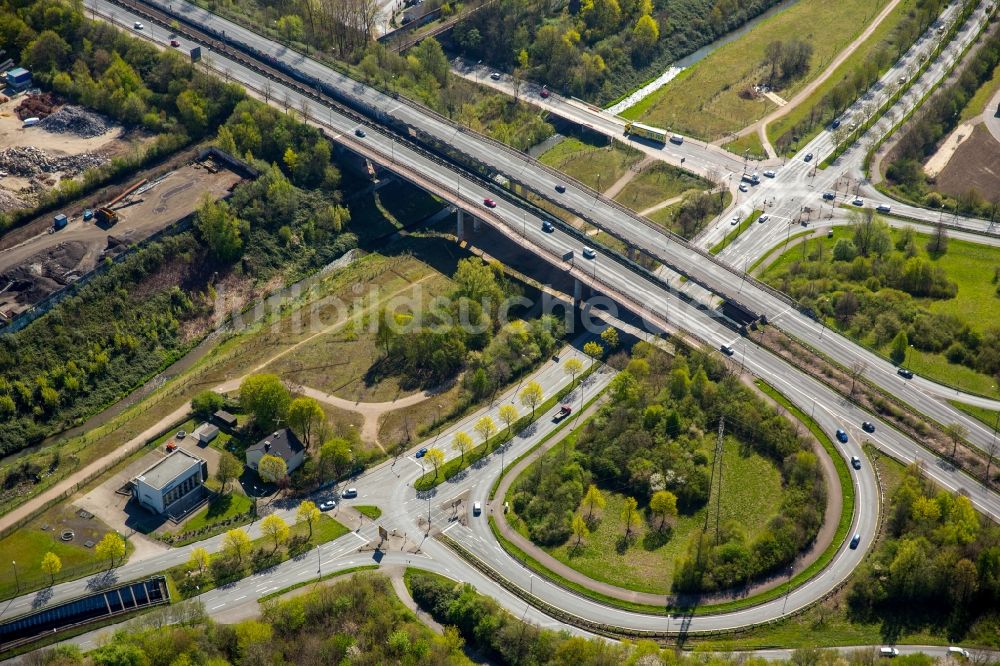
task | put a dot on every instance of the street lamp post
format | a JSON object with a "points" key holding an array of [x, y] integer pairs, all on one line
{"points": [[16, 581]]}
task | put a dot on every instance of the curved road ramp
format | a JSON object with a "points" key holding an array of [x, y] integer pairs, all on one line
{"points": [[82, 611]]}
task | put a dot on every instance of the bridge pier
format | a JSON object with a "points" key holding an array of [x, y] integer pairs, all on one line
{"points": [[577, 291], [460, 224], [475, 224]]}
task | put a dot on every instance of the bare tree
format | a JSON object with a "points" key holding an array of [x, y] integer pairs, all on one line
{"points": [[858, 369]]}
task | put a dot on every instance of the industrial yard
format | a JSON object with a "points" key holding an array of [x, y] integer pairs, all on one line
{"points": [[45, 263]]}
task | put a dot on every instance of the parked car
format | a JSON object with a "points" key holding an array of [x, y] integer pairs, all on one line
{"points": [[727, 350], [327, 505], [808, 157], [489, 203], [421, 452], [905, 373], [548, 227], [360, 133], [829, 196], [349, 493], [888, 652], [171, 447], [181, 434], [855, 540], [842, 436], [477, 508], [560, 188], [743, 187], [495, 76], [868, 426], [855, 462], [138, 26], [589, 253]]}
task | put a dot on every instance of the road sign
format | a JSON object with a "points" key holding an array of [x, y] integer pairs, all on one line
{"points": [[568, 256], [382, 533], [196, 54]]}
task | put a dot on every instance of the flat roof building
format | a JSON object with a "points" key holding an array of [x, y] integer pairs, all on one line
{"points": [[18, 78], [205, 433], [166, 485], [225, 419]]}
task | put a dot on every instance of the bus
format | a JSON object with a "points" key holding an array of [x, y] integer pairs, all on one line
{"points": [[646, 132]]}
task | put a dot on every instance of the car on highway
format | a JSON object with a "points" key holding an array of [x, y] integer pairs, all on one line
{"points": [[477, 508], [421, 452], [138, 25], [735, 221], [855, 462], [835, 124], [882, 208], [855, 540], [495, 76], [841, 436], [489, 203], [349, 493], [770, 173], [888, 652], [743, 187], [858, 201], [560, 188], [174, 43], [727, 350], [545, 92], [808, 157], [588, 253], [327, 505], [564, 411], [829, 196], [360, 133], [868, 426], [762, 219], [548, 227], [905, 373]]}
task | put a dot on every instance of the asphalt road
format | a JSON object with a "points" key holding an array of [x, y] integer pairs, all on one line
{"points": [[390, 486]]}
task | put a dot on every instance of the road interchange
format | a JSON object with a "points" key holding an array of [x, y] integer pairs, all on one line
{"points": [[807, 393]]}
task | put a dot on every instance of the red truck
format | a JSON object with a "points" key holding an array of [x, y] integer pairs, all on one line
{"points": [[564, 411]]}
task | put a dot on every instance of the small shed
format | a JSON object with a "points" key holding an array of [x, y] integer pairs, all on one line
{"points": [[225, 419], [205, 433], [60, 221], [19, 78]]}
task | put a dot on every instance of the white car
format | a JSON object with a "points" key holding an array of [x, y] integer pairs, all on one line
{"points": [[888, 652], [495, 76], [858, 201], [589, 253], [138, 26], [769, 173], [958, 652], [349, 493], [743, 187], [477, 508], [736, 220], [327, 505], [762, 219]]}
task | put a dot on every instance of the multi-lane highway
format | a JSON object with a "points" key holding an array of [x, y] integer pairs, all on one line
{"points": [[391, 486]]}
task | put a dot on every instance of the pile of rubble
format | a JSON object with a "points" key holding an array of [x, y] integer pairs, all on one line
{"points": [[37, 106], [9, 201], [28, 161], [76, 120]]}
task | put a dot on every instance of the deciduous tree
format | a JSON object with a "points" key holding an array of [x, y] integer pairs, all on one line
{"points": [[229, 468], [275, 528], [630, 515], [111, 547], [663, 504], [486, 428], [199, 559], [580, 529], [272, 468], [435, 457], [305, 416], [462, 443], [594, 499], [266, 397], [508, 414], [51, 564], [308, 513], [531, 396], [237, 544]]}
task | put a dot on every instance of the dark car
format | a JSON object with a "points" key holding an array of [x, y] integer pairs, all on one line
{"points": [[560, 188], [174, 43], [421, 452], [545, 92], [829, 196], [809, 157], [906, 374], [489, 203], [727, 350], [868, 426], [360, 133], [548, 227], [855, 462], [564, 411], [835, 124], [855, 540], [842, 437]]}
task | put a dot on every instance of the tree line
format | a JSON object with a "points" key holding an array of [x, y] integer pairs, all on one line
{"points": [[937, 117], [653, 443], [854, 83], [938, 566], [597, 49]]}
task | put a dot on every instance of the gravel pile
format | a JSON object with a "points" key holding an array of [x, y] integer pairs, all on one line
{"points": [[28, 161], [76, 120], [9, 202]]}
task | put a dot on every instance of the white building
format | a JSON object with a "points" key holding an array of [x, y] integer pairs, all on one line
{"points": [[170, 481]]}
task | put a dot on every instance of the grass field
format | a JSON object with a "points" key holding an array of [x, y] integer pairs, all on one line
{"points": [[986, 416], [705, 100], [220, 508], [971, 266], [658, 182], [978, 103], [748, 145], [593, 164], [751, 496], [24, 548], [863, 53], [372, 512]]}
